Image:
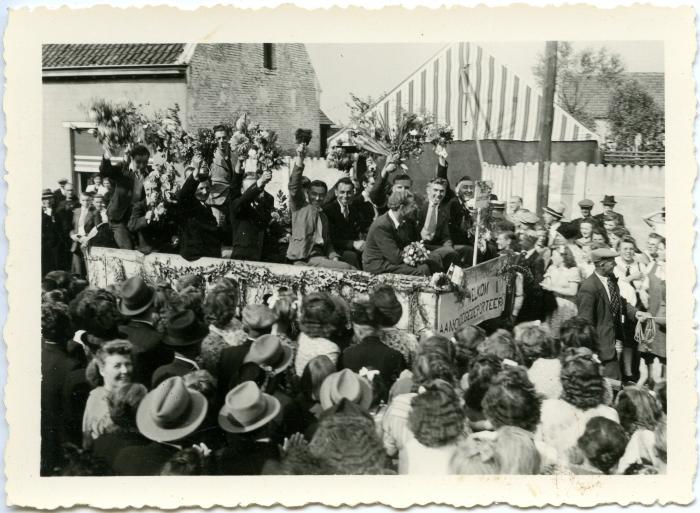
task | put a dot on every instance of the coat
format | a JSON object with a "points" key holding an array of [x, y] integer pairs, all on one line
{"points": [[149, 352], [127, 188], [56, 365], [594, 306], [343, 232], [384, 246], [442, 228], [250, 213], [532, 308], [153, 236], [600, 218], [230, 363], [199, 232], [371, 352], [88, 224], [175, 368], [460, 223], [54, 246], [142, 459], [304, 221]]}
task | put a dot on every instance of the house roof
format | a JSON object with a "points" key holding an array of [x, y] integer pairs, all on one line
{"points": [[325, 120], [101, 55], [595, 96]]}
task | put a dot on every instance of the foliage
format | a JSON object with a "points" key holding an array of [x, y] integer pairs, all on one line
{"points": [[117, 123], [574, 72], [250, 141], [633, 111]]}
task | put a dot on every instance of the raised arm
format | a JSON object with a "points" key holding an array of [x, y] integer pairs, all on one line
{"points": [[380, 189], [441, 172], [296, 192]]}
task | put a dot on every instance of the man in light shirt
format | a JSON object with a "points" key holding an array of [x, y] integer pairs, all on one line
{"points": [[82, 223]]}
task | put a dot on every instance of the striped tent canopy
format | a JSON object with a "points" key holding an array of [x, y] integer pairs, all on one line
{"points": [[462, 83]]}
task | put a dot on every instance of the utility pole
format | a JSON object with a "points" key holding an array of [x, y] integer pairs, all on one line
{"points": [[546, 122]]}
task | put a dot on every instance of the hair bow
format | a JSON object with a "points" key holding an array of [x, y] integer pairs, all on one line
{"points": [[202, 449], [272, 300], [596, 359], [368, 374], [421, 389], [453, 340], [509, 363]]}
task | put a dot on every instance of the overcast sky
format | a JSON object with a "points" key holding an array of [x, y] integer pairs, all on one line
{"points": [[372, 69]]}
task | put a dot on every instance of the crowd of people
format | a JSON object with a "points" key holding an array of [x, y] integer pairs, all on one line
{"points": [[179, 379]]}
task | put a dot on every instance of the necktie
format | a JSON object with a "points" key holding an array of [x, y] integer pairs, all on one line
{"points": [[628, 271], [615, 304], [432, 219], [345, 212]]}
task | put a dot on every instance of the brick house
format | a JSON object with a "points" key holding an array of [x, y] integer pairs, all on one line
{"points": [[275, 83], [594, 96]]}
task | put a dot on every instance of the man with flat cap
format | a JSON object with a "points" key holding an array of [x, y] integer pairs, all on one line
{"points": [[599, 302], [585, 205], [609, 211]]}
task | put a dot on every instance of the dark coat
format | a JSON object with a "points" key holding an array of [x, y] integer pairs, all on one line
{"points": [[54, 245], [149, 352], [108, 446], [600, 219], [74, 395], [144, 458], [56, 365], [365, 213], [245, 458], [250, 212], [230, 363], [175, 368], [442, 231], [343, 232], [384, 246], [460, 223], [371, 352], [594, 306], [153, 236], [199, 233], [577, 222], [127, 188], [533, 294]]}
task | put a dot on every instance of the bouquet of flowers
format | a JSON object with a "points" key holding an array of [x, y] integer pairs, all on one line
{"points": [[415, 254], [281, 221], [440, 281], [203, 147], [161, 189], [117, 123], [441, 134], [338, 158], [407, 138], [165, 134], [250, 141]]}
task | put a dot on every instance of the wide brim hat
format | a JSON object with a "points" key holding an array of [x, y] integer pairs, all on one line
{"points": [[345, 384], [184, 329], [171, 411], [259, 409], [554, 212], [268, 350], [136, 296], [609, 200]]}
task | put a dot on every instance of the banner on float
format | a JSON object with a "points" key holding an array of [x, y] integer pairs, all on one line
{"points": [[484, 297]]}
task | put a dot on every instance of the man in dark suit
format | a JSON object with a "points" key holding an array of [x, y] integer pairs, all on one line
{"points": [[56, 364], [149, 352], [389, 235], [532, 262], [600, 303], [199, 231], [83, 221], [250, 212], [127, 187], [345, 219], [60, 193], [585, 205], [184, 336], [53, 245], [609, 211]]}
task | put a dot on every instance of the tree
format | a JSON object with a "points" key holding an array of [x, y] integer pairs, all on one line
{"points": [[633, 111], [575, 70]]}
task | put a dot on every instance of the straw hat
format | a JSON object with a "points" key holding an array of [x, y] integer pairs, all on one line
{"points": [[171, 411]]}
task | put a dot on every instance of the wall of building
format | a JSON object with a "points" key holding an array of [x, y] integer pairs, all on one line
{"points": [[228, 78], [68, 101], [639, 190]]}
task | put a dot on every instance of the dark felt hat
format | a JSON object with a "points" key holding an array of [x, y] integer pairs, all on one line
{"points": [[609, 200], [184, 329], [137, 297]]}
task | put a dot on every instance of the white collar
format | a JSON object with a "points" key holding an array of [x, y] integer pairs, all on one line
{"points": [[184, 359], [393, 219]]}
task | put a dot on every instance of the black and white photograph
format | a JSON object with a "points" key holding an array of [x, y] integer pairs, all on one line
{"points": [[235, 283], [429, 259]]}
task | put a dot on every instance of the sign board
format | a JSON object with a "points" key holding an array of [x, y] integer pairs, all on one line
{"points": [[484, 298], [482, 193]]}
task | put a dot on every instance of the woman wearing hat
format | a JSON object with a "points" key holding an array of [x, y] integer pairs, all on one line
{"points": [[247, 416], [112, 368]]}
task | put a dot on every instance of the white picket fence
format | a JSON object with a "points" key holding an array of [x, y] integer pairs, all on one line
{"points": [[638, 190]]}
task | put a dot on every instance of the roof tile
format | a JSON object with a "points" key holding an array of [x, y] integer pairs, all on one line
{"points": [[86, 55]]}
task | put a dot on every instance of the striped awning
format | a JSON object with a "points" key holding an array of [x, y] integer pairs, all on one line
{"points": [[466, 88]]}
